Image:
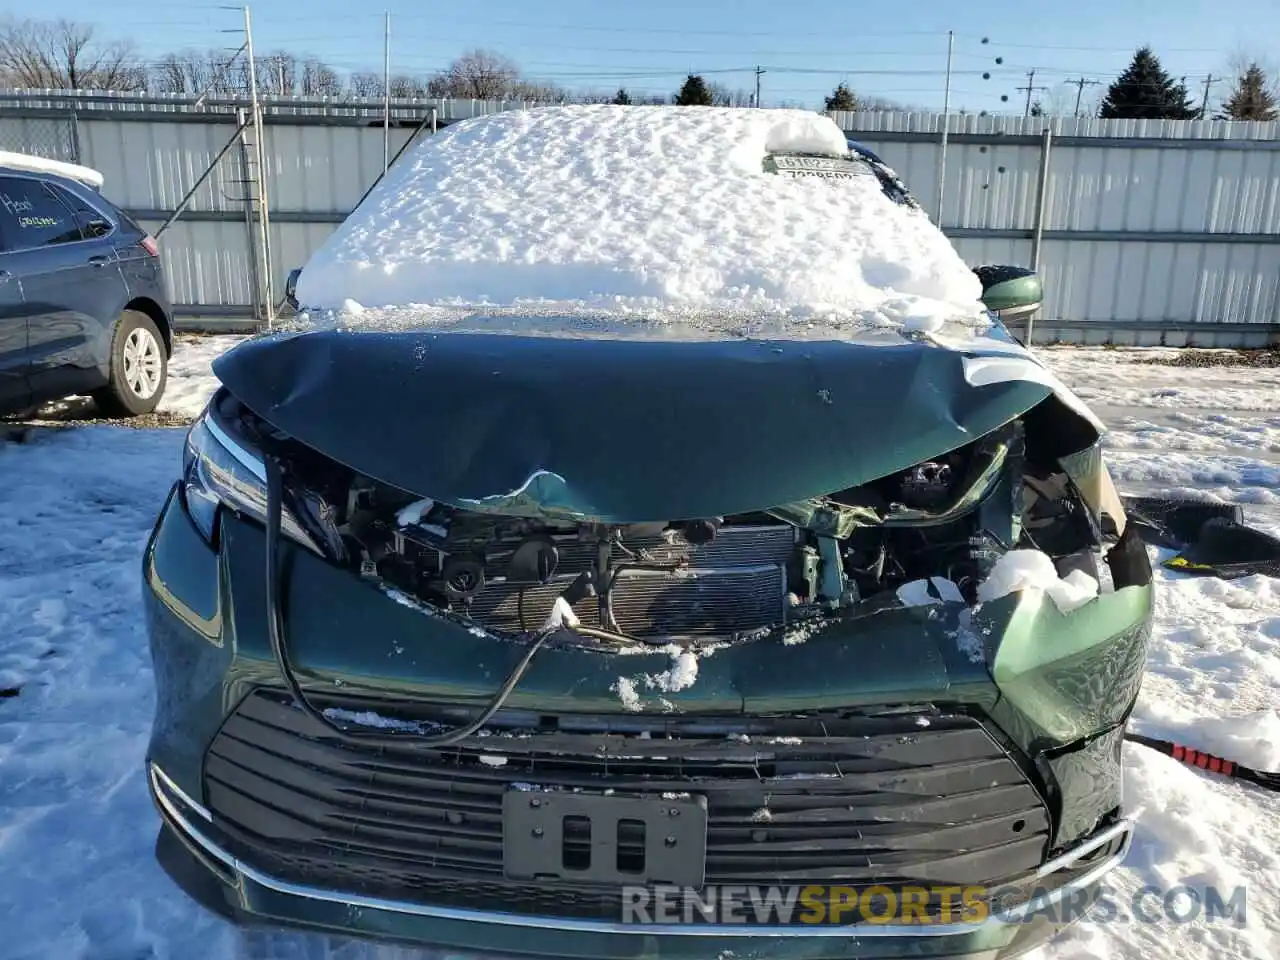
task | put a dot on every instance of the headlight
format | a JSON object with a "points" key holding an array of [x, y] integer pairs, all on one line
{"points": [[219, 472]]}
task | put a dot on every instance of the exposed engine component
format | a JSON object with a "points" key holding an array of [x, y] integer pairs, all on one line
{"points": [[952, 516], [463, 577], [647, 581], [926, 485], [534, 561]]}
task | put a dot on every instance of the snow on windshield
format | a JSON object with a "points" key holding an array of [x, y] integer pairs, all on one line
{"points": [[640, 211]]}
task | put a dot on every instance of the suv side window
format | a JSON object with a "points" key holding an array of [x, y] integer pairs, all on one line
{"points": [[33, 217], [93, 223]]}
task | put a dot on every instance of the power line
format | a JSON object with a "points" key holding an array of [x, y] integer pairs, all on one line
{"points": [[1096, 49], [434, 21]]}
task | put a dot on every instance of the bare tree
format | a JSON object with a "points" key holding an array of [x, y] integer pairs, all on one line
{"points": [[364, 84], [538, 92], [408, 87], [61, 54], [172, 75], [722, 96], [884, 105], [319, 79], [194, 72], [481, 75], [277, 73], [438, 86]]}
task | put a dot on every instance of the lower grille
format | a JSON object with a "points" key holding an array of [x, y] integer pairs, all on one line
{"points": [[790, 800]]}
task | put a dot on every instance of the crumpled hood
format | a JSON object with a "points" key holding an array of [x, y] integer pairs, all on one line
{"points": [[627, 430]]}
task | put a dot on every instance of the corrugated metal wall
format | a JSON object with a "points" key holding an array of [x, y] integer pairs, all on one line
{"points": [[1160, 222], [1173, 222], [316, 175]]}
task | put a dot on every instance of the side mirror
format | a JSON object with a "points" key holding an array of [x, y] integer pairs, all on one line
{"points": [[1011, 293], [291, 288]]}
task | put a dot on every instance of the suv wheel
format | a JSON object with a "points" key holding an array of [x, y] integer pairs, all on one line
{"points": [[139, 368]]}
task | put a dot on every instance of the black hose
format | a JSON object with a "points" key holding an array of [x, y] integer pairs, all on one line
{"points": [[276, 632]]}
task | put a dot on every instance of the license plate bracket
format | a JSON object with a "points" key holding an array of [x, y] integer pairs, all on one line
{"points": [[597, 838]]}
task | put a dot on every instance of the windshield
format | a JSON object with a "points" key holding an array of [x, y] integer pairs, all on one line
{"points": [[860, 163], [890, 182]]}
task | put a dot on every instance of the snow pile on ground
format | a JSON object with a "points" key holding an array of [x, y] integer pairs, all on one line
{"points": [[191, 381], [1033, 570], [1123, 377], [640, 210]]}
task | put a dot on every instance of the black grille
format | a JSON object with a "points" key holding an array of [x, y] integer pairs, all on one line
{"points": [[824, 798]]}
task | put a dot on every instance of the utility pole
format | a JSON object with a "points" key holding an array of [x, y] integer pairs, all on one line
{"points": [[1204, 104], [260, 175], [386, 94], [760, 71], [1030, 88], [1080, 83], [946, 126]]}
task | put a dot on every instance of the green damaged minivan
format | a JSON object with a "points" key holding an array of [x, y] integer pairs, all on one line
{"points": [[718, 616], [531, 637]]}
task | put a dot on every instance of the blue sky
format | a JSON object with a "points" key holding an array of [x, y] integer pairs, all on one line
{"points": [[891, 50]]}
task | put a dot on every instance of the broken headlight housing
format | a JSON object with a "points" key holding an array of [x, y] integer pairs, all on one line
{"points": [[220, 473]]}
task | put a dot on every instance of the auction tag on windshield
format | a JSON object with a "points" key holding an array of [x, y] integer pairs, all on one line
{"points": [[827, 168]]}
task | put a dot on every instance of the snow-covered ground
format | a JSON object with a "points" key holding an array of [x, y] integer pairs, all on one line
{"points": [[77, 877]]}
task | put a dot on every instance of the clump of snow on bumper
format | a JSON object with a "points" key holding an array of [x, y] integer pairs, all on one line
{"points": [[1033, 570], [679, 676], [368, 718], [640, 210], [922, 593]]}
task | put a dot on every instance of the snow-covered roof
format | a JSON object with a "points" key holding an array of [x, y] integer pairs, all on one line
{"points": [[641, 210], [73, 171]]}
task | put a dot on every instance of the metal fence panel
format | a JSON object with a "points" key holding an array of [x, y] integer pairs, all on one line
{"points": [[54, 138], [1173, 222]]}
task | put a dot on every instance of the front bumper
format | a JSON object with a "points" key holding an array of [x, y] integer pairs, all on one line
{"points": [[1037, 685], [250, 895]]}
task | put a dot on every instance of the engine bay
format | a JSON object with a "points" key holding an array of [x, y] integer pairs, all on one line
{"points": [[948, 519]]}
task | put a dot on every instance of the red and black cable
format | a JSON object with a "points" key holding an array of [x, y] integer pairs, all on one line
{"points": [[1209, 762]]}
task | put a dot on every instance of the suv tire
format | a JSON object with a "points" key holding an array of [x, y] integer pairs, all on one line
{"points": [[139, 368]]}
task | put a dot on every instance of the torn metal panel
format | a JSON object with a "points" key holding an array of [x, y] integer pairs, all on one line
{"points": [[620, 430]]}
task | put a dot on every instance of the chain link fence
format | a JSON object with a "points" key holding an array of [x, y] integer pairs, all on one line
{"points": [[53, 138]]}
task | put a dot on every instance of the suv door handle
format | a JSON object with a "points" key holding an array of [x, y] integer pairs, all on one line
{"points": [[5, 276], [99, 261]]}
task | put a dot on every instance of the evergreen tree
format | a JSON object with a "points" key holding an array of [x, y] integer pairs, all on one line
{"points": [[1250, 99], [842, 98], [694, 93], [1145, 92], [622, 98]]}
